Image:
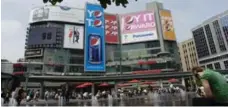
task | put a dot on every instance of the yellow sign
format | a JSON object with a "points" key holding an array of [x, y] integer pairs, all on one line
{"points": [[167, 25]]}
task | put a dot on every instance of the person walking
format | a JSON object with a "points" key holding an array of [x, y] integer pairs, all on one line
{"points": [[20, 96], [13, 101], [2, 97], [37, 95], [215, 86], [46, 95], [6, 100]]}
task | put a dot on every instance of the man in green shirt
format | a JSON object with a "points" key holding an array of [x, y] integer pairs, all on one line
{"points": [[215, 85]]}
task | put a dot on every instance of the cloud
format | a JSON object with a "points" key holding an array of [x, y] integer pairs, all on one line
{"points": [[13, 40], [10, 28], [75, 3]]}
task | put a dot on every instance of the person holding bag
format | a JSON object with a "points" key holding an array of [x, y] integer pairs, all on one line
{"points": [[214, 85]]}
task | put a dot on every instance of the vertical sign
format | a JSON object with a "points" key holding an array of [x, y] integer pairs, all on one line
{"points": [[111, 28], [167, 25], [94, 38]]}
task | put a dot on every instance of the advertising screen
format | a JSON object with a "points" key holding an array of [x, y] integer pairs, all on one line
{"points": [[111, 28], [94, 38], [138, 27], [73, 37], [57, 13], [167, 25], [39, 36]]}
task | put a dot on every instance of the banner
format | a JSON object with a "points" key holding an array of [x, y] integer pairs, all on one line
{"points": [[94, 38], [73, 37], [167, 25], [111, 28], [138, 27]]}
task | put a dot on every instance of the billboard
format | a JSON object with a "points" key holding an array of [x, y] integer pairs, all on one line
{"points": [[73, 36], [33, 53], [111, 28], [94, 38], [138, 27], [57, 13], [167, 25]]}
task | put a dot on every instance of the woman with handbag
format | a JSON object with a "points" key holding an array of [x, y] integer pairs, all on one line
{"points": [[214, 85]]}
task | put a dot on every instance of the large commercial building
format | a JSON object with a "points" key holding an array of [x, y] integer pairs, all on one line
{"points": [[159, 50], [52, 48], [188, 54], [211, 40]]}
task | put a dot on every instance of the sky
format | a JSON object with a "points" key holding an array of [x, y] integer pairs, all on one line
{"points": [[186, 15]]}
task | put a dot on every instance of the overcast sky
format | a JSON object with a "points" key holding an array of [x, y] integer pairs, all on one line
{"points": [[186, 15]]}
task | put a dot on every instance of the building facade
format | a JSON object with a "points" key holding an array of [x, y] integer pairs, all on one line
{"points": [[6, 66], [211, 40], [188, 54], [50, 49]]}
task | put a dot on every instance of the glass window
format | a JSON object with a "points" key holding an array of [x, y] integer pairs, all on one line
{"points": [[226, 64], [200, 42], [210, 39], [219, 35], [217, 65], [224, 22], [210, 66]]}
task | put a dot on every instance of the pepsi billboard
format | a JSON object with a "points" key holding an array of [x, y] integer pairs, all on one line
{"points": [[94, 38]]}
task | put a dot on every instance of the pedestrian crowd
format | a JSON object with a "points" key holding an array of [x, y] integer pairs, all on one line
{"points": [[13, 97]]}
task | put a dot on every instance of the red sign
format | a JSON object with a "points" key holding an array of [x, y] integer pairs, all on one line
{"points": [[111, 28], [146, 62], [157, 71]]}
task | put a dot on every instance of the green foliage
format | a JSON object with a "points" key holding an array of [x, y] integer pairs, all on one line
{"points": [[103, 3]]}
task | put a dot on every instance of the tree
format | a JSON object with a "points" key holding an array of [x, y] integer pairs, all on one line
{"points": [[103, 3]]}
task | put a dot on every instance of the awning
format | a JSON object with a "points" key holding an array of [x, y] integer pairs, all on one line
{"points": [[87, 83], [134, 81], [81, 86], [148, 82], [103, 84], [84, 85], [173, 80], [19, 73], [123, 85]]}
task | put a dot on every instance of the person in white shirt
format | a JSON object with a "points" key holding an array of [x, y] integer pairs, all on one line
{"points": [[46, 94]]}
